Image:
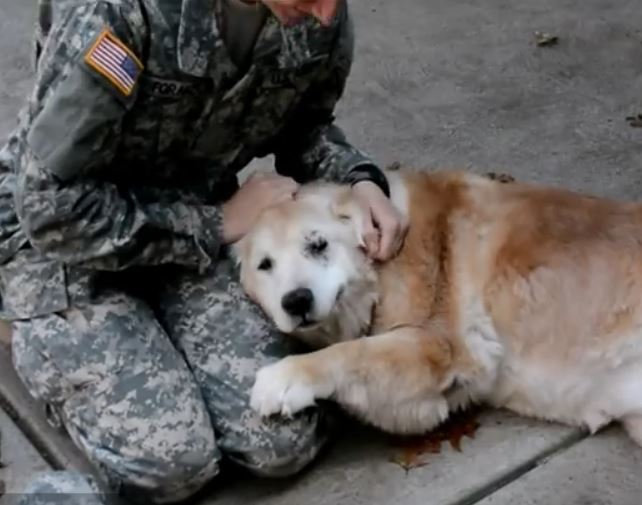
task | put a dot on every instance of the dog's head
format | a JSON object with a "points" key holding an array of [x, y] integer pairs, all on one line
{"points": [[303, 262]]}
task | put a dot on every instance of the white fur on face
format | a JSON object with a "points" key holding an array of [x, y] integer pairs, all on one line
{"points": [[310, 248]]}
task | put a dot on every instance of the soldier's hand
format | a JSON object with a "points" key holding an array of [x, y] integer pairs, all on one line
{"points": [[384, 228], [257, 193]]}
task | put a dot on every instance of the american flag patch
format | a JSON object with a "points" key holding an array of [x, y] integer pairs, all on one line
{"points": [[115, 61]]}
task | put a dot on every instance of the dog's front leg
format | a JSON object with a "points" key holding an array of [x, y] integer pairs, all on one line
{"points": [[393, 380]]}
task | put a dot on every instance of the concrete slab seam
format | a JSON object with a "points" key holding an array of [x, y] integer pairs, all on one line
{"points": [[522, 469]]}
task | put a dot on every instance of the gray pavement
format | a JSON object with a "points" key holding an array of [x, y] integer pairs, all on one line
{"points": [[358, 470], [602, 470], [451, 84], [20, 459]]}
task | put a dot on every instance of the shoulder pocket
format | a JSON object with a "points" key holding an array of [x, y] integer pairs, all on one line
{"points": [[77, 128]]}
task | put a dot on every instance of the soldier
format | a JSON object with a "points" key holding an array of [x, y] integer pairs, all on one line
{"points": [[118, 198]]}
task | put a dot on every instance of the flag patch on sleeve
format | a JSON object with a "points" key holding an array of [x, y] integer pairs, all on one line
{"points": [[115, 61]]}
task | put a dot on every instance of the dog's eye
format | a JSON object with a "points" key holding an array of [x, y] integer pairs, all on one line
{"points": [[318, 246], [265, 265]]}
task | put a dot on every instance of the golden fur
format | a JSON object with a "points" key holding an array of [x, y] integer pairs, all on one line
{"points": [[514, 295]]}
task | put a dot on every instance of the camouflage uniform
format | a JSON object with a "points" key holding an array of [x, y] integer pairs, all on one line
{"points": [[61, 488], [128, 318]]}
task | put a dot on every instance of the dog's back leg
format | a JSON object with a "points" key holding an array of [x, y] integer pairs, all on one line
{"points": [[620, 399], [630, 394], [395, 380], [633, 426]]}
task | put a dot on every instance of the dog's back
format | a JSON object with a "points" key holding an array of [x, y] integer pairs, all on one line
{"points": [[539, 288]]}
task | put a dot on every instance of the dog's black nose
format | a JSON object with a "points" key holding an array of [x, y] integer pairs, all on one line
{"points": [[298, 302]]}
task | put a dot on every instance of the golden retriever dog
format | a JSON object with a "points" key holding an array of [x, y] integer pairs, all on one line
{"points": [[512, 295]]}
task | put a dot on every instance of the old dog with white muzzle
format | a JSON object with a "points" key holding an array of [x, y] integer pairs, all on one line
{"points": [[512, 295]]}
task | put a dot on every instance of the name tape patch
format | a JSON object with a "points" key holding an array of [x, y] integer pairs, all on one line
{"points": [[115, 61], [166, 88]]}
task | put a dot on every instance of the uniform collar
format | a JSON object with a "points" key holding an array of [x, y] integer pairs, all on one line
{"points": [[290, 47], [202, 51], [199, 41], [281, 46]]}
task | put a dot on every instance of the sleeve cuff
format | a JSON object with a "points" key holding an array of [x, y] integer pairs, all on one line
{"points": [[208, 231], [369, 172]]}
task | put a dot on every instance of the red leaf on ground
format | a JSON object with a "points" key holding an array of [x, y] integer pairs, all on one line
{"points": [[412, 450], [464, 427]]}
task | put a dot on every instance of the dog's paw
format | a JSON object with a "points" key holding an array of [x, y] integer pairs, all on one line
{"points": [[280, 389]]}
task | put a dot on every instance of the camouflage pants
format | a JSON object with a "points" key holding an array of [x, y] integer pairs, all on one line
{"points": [[156, 392], [60, 488]]}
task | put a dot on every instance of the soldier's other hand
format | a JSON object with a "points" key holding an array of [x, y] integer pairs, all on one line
{"points": [[384, 228], [258, 192]]}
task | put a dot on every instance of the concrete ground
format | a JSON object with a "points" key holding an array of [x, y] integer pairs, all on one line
{"points": [[20, 459], [449, 84]]}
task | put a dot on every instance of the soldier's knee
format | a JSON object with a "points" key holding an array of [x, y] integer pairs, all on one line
{"points": [[61, 486], [32, 363], [166, 473], [287, 448]]}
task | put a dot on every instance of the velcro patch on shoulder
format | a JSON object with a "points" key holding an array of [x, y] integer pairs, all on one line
{"points": [[112, 59]]}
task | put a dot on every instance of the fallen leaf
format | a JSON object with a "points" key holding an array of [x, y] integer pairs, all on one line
{"points": [[411, 451], [408, 461], [467, 427], [544, 39], [503, 178], [635, 121]]}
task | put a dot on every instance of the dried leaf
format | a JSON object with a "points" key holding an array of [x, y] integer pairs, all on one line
{"points": [[635, 121], [467, 427], [544, 39], [412, 450], [503, 178], [408, 461]]}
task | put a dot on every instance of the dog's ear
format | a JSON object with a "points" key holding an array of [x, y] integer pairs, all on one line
{"points": [[346, 209]]}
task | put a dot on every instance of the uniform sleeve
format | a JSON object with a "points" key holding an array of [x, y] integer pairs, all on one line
{"points": [[312, 146], [12, 237], [64, 201]]}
